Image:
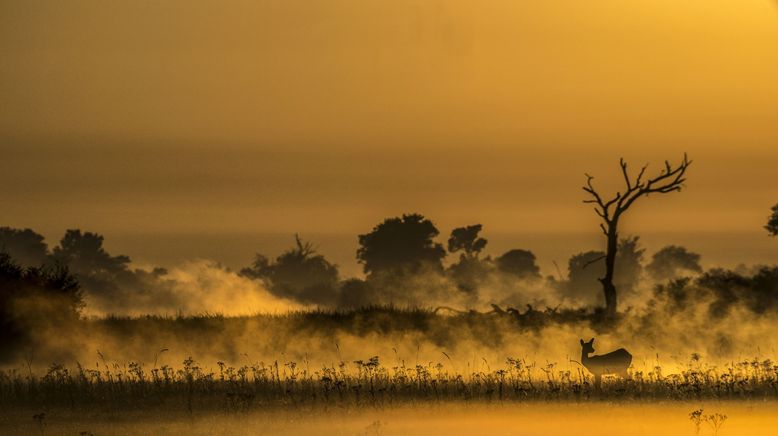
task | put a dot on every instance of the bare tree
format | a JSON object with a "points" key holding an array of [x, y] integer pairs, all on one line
{"points": [[670, 179]]}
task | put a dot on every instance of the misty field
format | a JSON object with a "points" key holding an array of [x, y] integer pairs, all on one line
{"points": [[374, 371], [479, 346], [368, 383], [366, 398]]}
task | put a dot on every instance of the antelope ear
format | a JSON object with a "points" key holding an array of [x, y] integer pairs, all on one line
{"points": [[592, 341], [582, 342]]}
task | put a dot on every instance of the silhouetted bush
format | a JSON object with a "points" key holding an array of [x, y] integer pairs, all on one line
{"points": [[629, 265], [24, 246], [722, 290], [586, 269], [98, 272], [30, 297], [401, 245], [466, 239], [356, 293], [298, 274], [519, 263], [470, 271], [583, 273], [671, 262]]}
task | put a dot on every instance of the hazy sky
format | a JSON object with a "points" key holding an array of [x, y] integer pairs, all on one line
{"points": [[204, 117]]}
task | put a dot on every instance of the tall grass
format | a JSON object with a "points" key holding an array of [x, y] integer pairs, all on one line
{"points": [[365, 383]]}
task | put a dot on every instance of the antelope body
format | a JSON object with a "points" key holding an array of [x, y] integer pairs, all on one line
{"points": [[615, 362]]}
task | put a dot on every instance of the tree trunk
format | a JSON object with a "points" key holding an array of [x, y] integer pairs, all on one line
{"points": [[610, 263]]}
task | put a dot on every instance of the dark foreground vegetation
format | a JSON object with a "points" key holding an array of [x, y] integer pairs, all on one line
{"points": [[366, 383]]}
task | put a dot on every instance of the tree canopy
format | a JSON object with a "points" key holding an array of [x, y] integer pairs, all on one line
{"points": [[98, 271], [672, 261], [298, 273], [24, 246], [585, 269], [31, 294], [466, 240], [520, 263], [84, 254], [401, 245]]}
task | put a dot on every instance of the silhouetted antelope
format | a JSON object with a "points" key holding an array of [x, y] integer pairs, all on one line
{"points": [[615, 362]]}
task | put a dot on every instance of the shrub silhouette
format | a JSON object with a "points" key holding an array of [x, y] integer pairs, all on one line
{"points": [[672, 261], [29, 295], [585, 269], [470, 271], [520, 263], [24, 246], [401, 245], [299, 274], [583, 272], [629, 264], [466, 240], [98, 271], [722, 290]]}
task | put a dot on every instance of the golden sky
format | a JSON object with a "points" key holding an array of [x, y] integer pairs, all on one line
{"points": [[326, 116]]}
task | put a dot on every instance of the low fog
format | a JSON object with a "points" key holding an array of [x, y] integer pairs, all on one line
{"points": [[420, 302]]}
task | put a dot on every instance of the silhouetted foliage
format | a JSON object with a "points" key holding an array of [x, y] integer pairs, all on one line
{"points": [[586, 269], [519, 263], [722, 290], [772, 222], [583, 273], [299, 274], [629, 264], [28, 295], [470, 271], [105, 280], [672, 261], [355, 293], [401, 245], [24, 246], [259, 269], [98, 271], [466, 239]]}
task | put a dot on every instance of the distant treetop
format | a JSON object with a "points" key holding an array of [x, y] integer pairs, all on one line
{"points": [[24, 246], [466, 239], [772, 222], [520, 263], [401, 244]]}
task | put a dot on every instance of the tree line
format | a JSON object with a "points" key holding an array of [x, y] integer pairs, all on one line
{"points": [[402, 260]]}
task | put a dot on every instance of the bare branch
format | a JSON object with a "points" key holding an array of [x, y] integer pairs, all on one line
{"points": [[597, 199], [624, 172], [669, 180], [615, 199], [593, 261], [640, 176]]}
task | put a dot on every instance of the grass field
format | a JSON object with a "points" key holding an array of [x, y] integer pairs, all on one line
{"points": [[376, 371], [367, 383]]}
